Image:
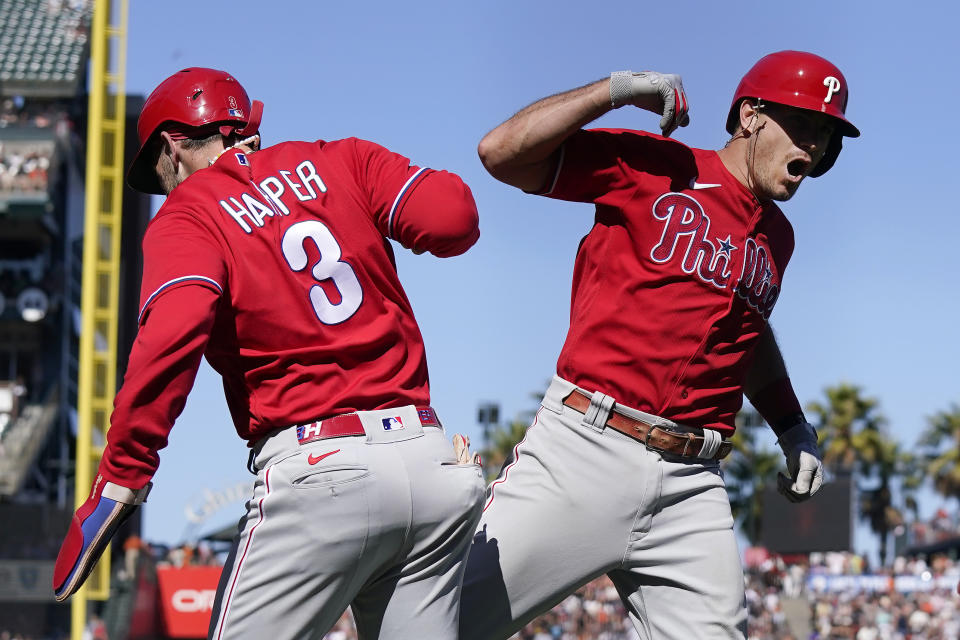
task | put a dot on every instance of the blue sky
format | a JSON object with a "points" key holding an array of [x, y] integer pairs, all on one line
{"points": [[869, 296]]}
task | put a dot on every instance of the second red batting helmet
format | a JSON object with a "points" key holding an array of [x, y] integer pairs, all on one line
{"points": [[192, 102], [802, 80]]}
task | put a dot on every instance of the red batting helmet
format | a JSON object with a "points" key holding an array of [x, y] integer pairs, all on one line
{"points": [[192, 102], [802, 80]]}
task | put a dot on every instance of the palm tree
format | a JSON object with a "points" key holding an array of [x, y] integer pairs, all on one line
{"points": [[503, 438], [849, 427], [854, 442], [912, 472], [940, 443], [749, 469], [502, 441]]}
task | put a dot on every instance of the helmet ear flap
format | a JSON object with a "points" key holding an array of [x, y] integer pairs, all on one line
{"points": [[829, 157], [253, 124]]}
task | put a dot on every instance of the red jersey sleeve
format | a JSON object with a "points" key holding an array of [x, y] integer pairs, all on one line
{"points": [[174, 326], [596, 162], [422, 209], [178, 251], [160, 373]]}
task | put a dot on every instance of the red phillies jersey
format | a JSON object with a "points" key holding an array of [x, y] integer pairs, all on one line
{"points": [[295, 298], [676, 280]]}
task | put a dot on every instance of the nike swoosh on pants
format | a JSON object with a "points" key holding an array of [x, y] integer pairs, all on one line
{"points": [[312, 459]]}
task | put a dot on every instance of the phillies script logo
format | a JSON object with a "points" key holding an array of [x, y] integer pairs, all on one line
{"points": [[686, 231]]}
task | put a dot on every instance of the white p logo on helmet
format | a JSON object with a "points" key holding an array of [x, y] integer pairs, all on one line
{"points": [[832, 85]]}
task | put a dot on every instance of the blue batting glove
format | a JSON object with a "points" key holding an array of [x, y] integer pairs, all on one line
{"points": [[91, 529]]}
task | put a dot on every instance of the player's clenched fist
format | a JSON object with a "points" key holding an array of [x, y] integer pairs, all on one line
{"points": [[660, 93], [799, 445]]}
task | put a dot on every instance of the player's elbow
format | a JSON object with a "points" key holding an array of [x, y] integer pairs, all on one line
{"points": [[493, 156], [504, 161], [442, 216], [457, 228]]}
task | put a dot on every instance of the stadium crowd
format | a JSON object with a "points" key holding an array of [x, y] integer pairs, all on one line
{"points": [[24, 169], [25, 163], [840, 597]]}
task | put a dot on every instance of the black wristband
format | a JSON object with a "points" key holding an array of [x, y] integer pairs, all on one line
{"points": [[787, 422]]}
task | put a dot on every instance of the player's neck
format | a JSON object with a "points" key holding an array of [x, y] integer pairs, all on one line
{"points": [[734, 159]]}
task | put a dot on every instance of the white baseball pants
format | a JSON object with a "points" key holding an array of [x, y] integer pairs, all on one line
{"points": [[578, 500], [383, 525]]}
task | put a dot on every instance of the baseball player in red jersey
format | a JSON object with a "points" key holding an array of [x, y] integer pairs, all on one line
{"points": [[275, 264], [672, 292]]}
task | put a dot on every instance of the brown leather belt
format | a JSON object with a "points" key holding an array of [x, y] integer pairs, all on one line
{"points": [[685, 445]]}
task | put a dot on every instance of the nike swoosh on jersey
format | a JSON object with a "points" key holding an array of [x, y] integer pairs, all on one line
{"points": [[703, 185], [312, 459]]}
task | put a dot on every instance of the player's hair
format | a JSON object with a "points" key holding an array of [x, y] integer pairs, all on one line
{"points": [[192, 144]]}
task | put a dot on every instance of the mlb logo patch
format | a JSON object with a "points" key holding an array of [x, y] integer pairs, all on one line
{"points": [[236, 113], [392, 424], [242, 159]]}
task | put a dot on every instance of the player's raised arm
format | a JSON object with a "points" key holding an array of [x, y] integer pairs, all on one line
{"points": [[523, 151]]}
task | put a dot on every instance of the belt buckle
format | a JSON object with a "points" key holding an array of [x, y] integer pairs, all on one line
{"points": [[688, 437], [646, 439]]}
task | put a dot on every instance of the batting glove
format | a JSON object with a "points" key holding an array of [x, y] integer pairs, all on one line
{"points": [[799, 445], [90, 531], [461, 446], [661, 93]]}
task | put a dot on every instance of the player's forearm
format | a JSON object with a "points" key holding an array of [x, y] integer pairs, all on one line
{"points": [[162, 367], [521, 151], [766, 365], [768, 386]]}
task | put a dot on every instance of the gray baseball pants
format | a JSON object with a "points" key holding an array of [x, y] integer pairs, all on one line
{"points": [[577, 501], [383, 525]]}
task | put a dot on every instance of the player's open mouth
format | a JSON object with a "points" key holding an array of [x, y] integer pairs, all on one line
{"points": [[797, 168]]}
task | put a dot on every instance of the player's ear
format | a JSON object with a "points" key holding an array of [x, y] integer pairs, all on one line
{"points": [[170, 149], [749, 113]]}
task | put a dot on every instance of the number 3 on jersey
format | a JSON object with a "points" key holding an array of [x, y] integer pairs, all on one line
{"points": [[329, 267]]}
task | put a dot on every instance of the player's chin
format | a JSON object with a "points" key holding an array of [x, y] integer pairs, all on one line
{"points": [[783, 191], [787, 187], [789, 191]]}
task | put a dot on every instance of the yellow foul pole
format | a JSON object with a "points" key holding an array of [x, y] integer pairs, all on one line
{"points": [[96, 385]]}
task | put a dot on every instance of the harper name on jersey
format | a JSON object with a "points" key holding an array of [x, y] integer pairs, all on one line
{"points": [[245, 207], [330, 331]]}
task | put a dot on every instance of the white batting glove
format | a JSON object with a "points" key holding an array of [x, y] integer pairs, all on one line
{"points": [[799, 445], [461, 447], [661, 93]]}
